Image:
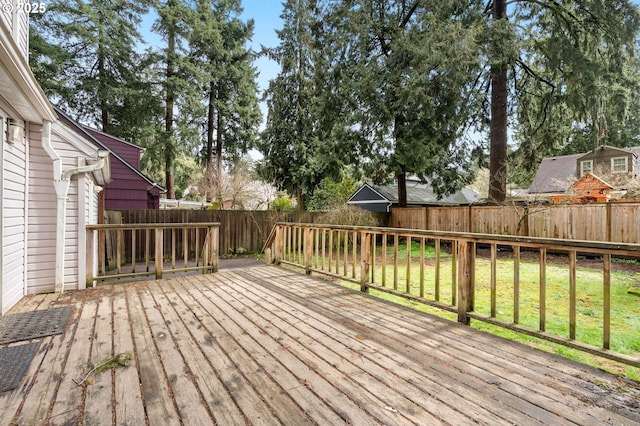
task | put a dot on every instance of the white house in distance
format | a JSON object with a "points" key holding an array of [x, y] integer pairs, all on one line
{"points": [[50, 181]]}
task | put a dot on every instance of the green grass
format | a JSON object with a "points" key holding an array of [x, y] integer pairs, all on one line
{"points": [[625, 307]]}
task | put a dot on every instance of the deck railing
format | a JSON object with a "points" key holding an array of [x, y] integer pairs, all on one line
{"points": [[443, 270], [134, 250]]}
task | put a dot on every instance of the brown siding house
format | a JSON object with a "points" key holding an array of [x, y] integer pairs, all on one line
{"points": [[556, 175]]}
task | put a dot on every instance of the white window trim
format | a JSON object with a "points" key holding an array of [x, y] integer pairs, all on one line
{"points": [[582, 164], [626, 164]]}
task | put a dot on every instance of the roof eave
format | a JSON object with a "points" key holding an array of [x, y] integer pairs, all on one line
{"points": [[29, 99]]}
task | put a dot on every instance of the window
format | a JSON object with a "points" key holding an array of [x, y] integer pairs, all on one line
{"points": [[619, 165], [586, 166]]}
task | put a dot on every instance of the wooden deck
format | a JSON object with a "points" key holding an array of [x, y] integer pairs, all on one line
{"points": [[265, 345]]}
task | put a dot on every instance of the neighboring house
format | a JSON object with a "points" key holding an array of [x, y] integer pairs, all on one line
{"points": [[588, 189], [556, 175], [380, 198], [130, 189], [50, 179]]}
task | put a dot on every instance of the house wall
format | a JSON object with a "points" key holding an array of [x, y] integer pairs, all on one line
{"points": [[126, 191], [41, 261], [602, 159], [17, 22], [14, 172], [41, 254]]}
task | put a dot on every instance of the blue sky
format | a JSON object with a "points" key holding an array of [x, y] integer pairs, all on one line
{"points": [[266, 15]]}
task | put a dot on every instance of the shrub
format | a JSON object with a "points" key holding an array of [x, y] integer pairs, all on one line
{"points": [[344, 214], [281, 204]]}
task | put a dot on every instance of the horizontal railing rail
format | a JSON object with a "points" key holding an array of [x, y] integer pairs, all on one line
{"points": [[442, 269], [134, 250]]}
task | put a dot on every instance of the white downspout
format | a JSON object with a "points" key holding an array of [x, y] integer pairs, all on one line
{"points": [[62, 189], [61, 182], [86, 169]]}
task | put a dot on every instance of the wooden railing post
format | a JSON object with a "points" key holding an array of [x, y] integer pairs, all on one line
{"points": [[214, 232], [159, 252], [308, 249], [465, 280], [102, 245], [365, 260], [91, 244], [277, 245]]}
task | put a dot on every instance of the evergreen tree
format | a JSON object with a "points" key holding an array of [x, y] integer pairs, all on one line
{"points": [[303, 141], [410, 73], [570, 73], [228, 81], [101, 40], [51, 64], [174, 25]]}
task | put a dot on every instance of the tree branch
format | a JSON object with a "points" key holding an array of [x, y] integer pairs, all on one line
{"points": [[410, 13], [533, 74]]}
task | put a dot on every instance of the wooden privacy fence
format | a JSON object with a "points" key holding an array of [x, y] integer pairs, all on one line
{"points": [[441, 269], [126, 251], [615, 222], [239, 229]]}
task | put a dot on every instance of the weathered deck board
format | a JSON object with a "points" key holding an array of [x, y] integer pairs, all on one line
{"points": [[269, 346], [98, 396], [156, 393], [380, 363], [243, 374], [129, 408], [374, 397], [199, 358], [539, 394]]}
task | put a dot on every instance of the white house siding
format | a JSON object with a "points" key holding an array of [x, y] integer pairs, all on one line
{"points": [[87, 215], [41, 255], [72, 256], [13, 224], [17, 22], [42, 217], [7, 17]]}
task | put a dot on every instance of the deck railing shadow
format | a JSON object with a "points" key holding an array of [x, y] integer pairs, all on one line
{"points": [[136, 250], [442, 270]]}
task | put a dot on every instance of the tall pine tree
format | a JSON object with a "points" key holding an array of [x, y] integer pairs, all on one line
{"points": [[409, 70], [304, 140], [564, 72], [102, 77], [228, 82]]}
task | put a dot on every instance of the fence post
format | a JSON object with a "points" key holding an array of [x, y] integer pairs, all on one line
{"points": [[365, 260], [308, 249], [465, 280], [214, 231], [159, 254]]}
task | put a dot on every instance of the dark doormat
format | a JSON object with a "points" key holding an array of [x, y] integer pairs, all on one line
{"points": [[31, 325], [14, 361]]}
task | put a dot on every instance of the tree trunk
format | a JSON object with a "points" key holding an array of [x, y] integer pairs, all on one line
{"points": [[300, 198], [402, 188], [498, 125], [401, 177], [219, 162], [104, 107], [168, 120], [210, 129]]}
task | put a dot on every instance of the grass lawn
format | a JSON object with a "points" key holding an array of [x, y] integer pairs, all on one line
{"points": [[625, 307]]}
